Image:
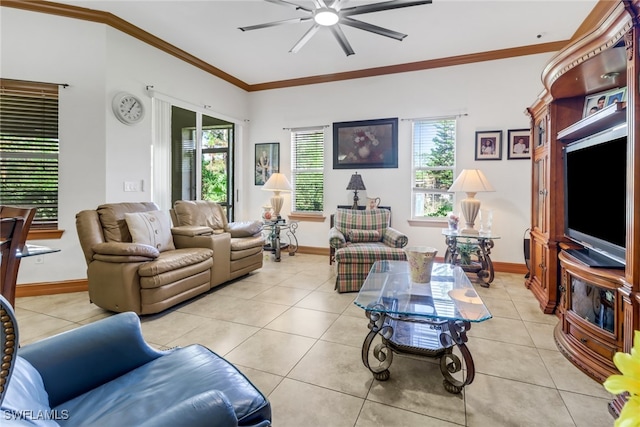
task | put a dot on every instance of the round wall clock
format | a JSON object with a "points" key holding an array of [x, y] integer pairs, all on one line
{"points": [[128, 108]]}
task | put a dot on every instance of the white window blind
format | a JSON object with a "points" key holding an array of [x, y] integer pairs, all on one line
{"points": [[433, 165], [29, 147], [307, 170]]}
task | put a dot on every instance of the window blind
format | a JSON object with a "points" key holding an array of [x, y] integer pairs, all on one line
{"points": [[307, 158], [29, 148]]}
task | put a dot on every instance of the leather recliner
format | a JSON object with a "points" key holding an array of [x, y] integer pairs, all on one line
{"points": [[127, 274], [237, 246]]}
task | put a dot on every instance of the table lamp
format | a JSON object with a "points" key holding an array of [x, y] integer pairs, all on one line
{"points": [[356, 184], [277, 182], [471, 181]]}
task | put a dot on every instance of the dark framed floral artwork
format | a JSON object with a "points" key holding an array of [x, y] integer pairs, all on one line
{"points": [[267, 161], [365, 144], [489, 145]]}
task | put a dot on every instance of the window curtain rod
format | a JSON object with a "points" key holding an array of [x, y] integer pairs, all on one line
{"points": [[448, 116], [200, 108], [306, 128], [64, 85]]}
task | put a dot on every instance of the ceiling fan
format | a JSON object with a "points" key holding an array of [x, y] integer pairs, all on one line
{"points": [[331, 14]]}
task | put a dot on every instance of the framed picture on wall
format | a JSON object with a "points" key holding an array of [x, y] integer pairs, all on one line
{"points": [[365, 144], [267, 161], [519, 145], [489, 145]]}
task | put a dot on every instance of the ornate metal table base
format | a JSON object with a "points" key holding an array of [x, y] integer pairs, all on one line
{"points": [[396, 332], [275, 245], [482, 250]]}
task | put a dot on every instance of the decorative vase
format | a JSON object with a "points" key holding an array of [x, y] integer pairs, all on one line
{"points": [[420, 260], [267, 213], [452, 221]]}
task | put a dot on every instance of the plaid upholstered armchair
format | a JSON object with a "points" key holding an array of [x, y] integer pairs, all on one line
{"points": [[360, 238]]}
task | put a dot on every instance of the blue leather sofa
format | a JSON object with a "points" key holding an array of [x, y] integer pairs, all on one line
{"points": [[105, 374]]}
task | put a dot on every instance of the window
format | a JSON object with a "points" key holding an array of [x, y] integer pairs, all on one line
{"points": [[307, 170], [29, 149], [433, 165]]}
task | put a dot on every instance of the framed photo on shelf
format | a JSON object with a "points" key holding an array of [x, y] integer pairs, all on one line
{"points": [[519, 144], [365, 144], [489, 145], [267, 161], [617, 95], [597, 101]]}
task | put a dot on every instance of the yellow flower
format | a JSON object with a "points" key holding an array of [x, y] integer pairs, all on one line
{"points": [[630, 414], [629, 381]]}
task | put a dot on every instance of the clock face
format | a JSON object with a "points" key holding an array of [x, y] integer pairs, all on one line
{"points": [[128, 108]]}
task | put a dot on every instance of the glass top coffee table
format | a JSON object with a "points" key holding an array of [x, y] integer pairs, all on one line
{"points": [[426, 319]]}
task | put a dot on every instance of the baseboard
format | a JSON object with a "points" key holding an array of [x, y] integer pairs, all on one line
{"points": [[52, 288], [81, 285], [502, 267]]}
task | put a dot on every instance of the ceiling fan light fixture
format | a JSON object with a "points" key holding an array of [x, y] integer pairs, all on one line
{"points": [[326, 17]]}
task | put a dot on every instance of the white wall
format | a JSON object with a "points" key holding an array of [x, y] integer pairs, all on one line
{"points": [[494, 95], [98, 153]]}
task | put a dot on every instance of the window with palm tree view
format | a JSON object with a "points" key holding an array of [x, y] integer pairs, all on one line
{"points": [[433, 165]]}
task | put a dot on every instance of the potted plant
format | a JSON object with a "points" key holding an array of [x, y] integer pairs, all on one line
{"points": [[465, 250]]}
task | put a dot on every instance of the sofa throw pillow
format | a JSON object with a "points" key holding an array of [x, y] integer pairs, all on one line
{"points": [[363, 236], [245, 228], [151, 228]]}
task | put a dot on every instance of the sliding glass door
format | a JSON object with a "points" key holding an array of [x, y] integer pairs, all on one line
{"points": [[201, 158]]}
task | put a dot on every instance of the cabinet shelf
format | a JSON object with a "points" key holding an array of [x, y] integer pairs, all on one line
{"points": [[606, 118]]}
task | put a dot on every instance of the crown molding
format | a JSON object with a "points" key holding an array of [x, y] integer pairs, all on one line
{"points": [[130, 29]]}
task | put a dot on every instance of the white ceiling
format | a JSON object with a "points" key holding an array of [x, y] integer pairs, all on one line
{"points": [[445, 28]]}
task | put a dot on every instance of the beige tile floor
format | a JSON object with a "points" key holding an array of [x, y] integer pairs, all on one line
{"points": [[300, 342]]}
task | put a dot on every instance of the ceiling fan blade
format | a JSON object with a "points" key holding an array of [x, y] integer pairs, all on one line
{"points": [[307, 36], [372, 28], [289, 4], [319, 4], [385, 5], [342, 40], [274, 24]]}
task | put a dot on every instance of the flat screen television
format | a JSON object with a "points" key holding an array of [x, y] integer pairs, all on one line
{"points": [[595, 186]]}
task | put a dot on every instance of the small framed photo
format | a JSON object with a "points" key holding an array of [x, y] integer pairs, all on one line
{"points": [[594, 103], [489, 145], [617, 95], [519, 145], [267, 161]]}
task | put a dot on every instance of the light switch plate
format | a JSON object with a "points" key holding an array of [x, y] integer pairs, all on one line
{"points": [[130, 186]]}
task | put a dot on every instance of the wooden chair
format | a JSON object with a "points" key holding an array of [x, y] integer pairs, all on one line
{"points": [[14, 228]]}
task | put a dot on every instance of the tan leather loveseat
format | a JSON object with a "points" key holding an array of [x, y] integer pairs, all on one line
{"points": [[134, 264], [237, 246]]}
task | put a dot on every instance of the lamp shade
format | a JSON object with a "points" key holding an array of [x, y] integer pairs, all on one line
{"points": [[471, 181], [355, 183], [277, 182]]}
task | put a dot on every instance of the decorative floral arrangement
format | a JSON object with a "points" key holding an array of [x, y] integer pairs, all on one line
{"points": [[453, 221], [365, 147], [629, 381]]}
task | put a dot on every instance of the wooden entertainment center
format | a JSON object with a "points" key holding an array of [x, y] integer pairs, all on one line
{"points": [[598, 307]]}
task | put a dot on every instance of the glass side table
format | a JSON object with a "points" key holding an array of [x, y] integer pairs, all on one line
{"points": [[275, 237], [461, 247], [34, 250]]}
